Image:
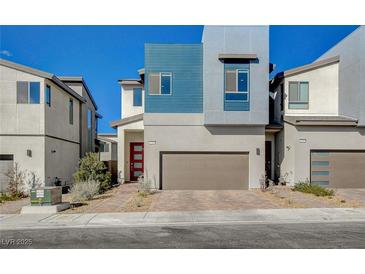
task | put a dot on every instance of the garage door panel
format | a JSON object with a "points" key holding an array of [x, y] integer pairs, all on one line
{"points": [[348, 169], [342, 169], [204, 171]]}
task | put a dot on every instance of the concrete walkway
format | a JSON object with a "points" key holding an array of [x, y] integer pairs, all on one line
{"points": [[270, 216]]}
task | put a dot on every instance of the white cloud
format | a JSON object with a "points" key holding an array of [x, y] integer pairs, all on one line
{"points": [[5, 52]]}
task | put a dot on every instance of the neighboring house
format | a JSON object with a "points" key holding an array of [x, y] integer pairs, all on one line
{"points": [[46, 122], [198, 118], [322, 108], [108, 151]]}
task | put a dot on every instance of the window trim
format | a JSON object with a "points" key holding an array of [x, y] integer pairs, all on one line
{"points": [[237, 71], [298, 93], [160, 76]]}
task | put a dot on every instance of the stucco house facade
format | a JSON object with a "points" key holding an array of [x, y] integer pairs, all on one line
{"points": [[206, 116], [202, 119], [46, 123], [321, 107]]}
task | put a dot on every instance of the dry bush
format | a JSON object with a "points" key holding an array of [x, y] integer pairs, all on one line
{"points": [[83, 191]]}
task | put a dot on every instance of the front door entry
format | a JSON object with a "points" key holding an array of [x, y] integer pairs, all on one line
{"points": [[136, 161]]}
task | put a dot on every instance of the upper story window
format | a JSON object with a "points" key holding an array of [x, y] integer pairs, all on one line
{"points": [[71, 111], [137, 97], [160, 83], [237, 84], [298, 95], [104, 147], [48, 95], [28, 92]]}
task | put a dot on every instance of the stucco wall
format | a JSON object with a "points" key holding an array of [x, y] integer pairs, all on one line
{"points": [[351, 74], [18, 146], [239, 40], [127, 101], [80, 89], [323, 91], [201, 138], [57, 116], [300, 140], [61, 160], [19, 118]]}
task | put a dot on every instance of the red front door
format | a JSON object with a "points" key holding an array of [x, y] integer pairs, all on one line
{"points": [[136, 161]]}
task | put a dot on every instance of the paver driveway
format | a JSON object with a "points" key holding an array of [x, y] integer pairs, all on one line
{"points": [[185, 200]]}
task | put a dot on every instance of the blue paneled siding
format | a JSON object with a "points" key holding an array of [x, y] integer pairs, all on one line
{"points": [[185, 62], [236, 105]]}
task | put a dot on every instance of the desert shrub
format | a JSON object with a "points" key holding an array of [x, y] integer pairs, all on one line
{"points": [[83, 191], [317, 190], [92, 169], [17, 182], [144, 187]]}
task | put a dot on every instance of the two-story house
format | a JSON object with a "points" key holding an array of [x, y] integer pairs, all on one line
{"points": [[46, 122], [199, 113], [322, 108]]}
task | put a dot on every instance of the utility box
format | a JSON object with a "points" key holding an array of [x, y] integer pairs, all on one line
{"points": [[46, 196]]}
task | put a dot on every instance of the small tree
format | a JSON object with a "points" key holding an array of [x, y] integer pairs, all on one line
{"points": [[16, 180], [92, 169]]}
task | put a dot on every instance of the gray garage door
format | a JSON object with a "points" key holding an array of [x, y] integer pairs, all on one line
{"points": [[204, 171], [338, 169], [6, 162]]}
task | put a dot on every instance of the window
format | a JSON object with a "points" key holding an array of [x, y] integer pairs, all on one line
{"points": [[237, 84], [137, 97], [104, 147], [89, 129], [71, 111], [160, 83], [28, 92], [298, 95], [48, 95]]}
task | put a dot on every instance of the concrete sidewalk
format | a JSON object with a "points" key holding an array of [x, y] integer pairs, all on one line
{"points": [[270, 216]]}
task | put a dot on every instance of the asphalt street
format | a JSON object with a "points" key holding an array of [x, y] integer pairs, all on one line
{"points": [[234, 235]]}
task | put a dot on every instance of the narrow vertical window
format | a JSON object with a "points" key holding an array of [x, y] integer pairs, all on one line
{"points": [[166, 82], [137, 97], [71, 111], [34, 93], [48, 95], [89, 129]]}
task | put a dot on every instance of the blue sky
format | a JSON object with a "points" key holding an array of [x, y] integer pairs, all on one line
{"points": [[104, 54]]}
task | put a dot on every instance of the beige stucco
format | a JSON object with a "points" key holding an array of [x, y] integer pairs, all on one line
{"points": [[44, 130], [296, 142], [201, 138], [88, 105], [323, 91], [127, 101]]}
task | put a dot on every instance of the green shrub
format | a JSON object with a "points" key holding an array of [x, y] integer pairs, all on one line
{"points": [[83, 191], [9, 197], [92, 169], [317, 190]]}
